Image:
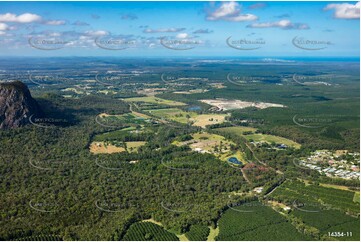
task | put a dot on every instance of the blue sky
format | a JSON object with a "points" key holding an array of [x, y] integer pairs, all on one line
{"points": [[179, 29]]}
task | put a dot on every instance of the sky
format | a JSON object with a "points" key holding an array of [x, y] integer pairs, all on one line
{"points": [[152, 29]]}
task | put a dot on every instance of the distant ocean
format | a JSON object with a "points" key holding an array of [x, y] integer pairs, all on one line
{"points": [[213, 59]]}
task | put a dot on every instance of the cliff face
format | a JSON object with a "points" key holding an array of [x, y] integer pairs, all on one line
{"points": [[16, 105]]}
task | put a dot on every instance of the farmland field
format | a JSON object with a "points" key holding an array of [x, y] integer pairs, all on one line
{"points": [[335, 198], [41, 238], [254, 221], [147, 231], [198, 233], [330, 221], [321, 208]]}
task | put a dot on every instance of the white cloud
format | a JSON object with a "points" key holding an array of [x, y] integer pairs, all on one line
{"points": [[182, 36], [80, 23], [55, 34], [243, 17], [283, 24], [230, 11], [203, 31], [55, 22], [129, 16], [257, 5], [3, 27], [23, 18], [166, 30], [96, 33], [344, 10]]}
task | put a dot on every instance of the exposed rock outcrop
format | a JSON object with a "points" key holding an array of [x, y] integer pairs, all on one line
{"points": [[16, 105]]}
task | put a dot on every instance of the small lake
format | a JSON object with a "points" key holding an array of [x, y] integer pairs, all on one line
{"points": [[194, 108]]}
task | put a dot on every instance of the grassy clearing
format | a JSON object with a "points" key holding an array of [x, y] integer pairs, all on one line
{"points": [[211, 143], [140, 115], [133, 146], [174, 114], [103, 148], [127, 119], [213, 234], [356, 197], [178, 115], [152, 221], [238, 154], [208, 119], [154, 100], [114, 135], [335, 186], [182, 237], [249, 133], [107, 148], [273, 139], [238, 130], [214, 144]]}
